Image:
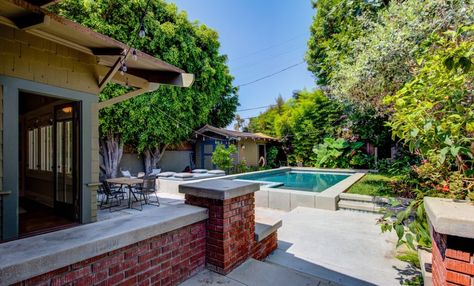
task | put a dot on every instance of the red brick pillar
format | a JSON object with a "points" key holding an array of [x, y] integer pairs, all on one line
{"points": [[453, 260], [452, 233], [231, 224]]}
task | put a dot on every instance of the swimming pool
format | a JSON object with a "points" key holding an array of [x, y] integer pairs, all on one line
{"points": [[309, 181]]}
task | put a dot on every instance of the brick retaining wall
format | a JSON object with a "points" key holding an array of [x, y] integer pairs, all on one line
{"points": [[231, 231], [263, 248], [453, 260], [230, 228], [166, 259]]}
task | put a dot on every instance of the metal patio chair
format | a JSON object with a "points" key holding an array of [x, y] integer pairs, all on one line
{"points": [[109, 195], [148, 190]]}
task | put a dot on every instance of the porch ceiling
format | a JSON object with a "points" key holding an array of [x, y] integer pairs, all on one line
{"points": [[33, 19]]}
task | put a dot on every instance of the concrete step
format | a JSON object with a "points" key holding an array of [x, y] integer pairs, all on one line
{"points": [[257, 273], [360, 206], [363, 198], [254, 272]]}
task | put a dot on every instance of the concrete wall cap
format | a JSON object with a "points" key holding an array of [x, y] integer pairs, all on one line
{"points": [[29, 257], [219, 189], [263, 230], [451, 217]]}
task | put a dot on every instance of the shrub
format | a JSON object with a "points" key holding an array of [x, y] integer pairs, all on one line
{"points": [[222, 156]]}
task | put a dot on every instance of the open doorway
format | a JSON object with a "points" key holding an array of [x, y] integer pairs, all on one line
{"points": [[49, 164]]}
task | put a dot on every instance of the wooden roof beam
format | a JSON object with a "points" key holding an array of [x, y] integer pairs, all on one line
{"points": [[123, 97], [113, 70], [164, 77]]}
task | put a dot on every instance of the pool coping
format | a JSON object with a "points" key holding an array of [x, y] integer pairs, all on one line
{"points": [[288, 199]]}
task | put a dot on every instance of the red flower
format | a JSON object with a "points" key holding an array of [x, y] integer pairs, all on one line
{"points": [[445, 188]]}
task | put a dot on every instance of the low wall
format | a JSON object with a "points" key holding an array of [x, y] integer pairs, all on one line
{"points": [[166, 259], [266, 246], [160, 245], [452, 232], [231, 227]]}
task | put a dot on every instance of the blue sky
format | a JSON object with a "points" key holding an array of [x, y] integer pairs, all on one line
{"points": [[260, 37]]}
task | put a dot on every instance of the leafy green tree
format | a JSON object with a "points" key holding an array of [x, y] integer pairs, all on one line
{"points": [[308, 118], [265, 122], [434, 112], [301, 122], [272, 155], [152, 121], [335, 25], [239, 123], [434, 116], [222, 156], [381, 61]]}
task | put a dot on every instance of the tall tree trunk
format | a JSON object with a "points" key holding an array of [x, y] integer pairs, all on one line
{"points": [[153, 156], [111, 150]]}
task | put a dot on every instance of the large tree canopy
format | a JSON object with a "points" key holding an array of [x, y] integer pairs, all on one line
{"points": [[372, 52], [168, 115], [301, 122], [334, 26]]}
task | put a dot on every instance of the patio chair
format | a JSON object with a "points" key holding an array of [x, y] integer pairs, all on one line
{"points": [[109, 194], [148, 190]]}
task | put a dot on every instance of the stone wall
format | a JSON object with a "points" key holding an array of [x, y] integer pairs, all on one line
{"points": [[166, 259]]}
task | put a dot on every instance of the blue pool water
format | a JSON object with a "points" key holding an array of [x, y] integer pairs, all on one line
{"points": [[296, 180]]}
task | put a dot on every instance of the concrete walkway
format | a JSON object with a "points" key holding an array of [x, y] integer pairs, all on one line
{"points": [[341, 246], [257, 273]]}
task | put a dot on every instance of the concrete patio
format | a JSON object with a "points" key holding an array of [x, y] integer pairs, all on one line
{"points": [[344, 246], [318, 247]]}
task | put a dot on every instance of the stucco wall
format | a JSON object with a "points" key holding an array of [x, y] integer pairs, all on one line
{"points": [[250, 152], [174, 161]]}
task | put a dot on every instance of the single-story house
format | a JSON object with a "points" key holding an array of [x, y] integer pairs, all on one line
{"points": [[251, 146], [51, 71]]}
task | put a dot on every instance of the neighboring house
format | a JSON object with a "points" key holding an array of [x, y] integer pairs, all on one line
{"points": [[51, 71], [251, 146]]}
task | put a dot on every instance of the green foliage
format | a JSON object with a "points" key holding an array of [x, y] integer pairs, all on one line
{"points": [[222, 156], [377, 51], [411, 257], [335, 25], [339, 153], [329, 153], [307, 118], [241, 167], [151, 119], [272, 154], [265, 122], [434, 113], [301, 122]]}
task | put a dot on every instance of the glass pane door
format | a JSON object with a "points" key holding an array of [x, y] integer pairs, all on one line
{"points": [[66, 154]]}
